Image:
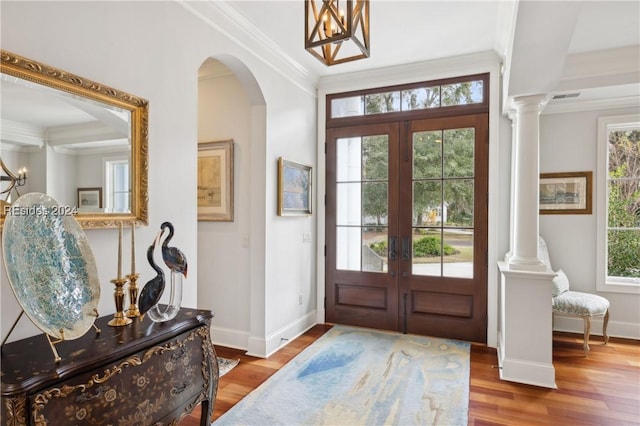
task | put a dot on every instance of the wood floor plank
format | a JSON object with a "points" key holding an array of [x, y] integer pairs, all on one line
{"points": [[601, 389]]}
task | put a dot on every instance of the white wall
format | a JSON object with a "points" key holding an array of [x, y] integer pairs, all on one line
{"points": [[153, 50], [568, 143], [224, 112], [61, 176]]}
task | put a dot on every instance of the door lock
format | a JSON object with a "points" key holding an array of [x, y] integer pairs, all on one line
{"points": [[393, 241], [406, 247]]}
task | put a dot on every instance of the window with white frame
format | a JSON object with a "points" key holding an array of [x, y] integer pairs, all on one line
{"points": [[618, 208], [117, 186]]}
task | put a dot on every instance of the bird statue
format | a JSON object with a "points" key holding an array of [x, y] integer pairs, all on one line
{"points": [[153, 289], [172, 256]]}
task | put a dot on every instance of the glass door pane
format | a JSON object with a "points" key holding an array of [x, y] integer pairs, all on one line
{"points": [[362, 203], [442, 202]]}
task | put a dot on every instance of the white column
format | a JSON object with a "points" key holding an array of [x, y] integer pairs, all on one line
{"points": [[512, 188], [525, 344], [525, 202]]}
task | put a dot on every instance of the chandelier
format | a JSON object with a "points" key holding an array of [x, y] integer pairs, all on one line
{"points": [[336, 33]]}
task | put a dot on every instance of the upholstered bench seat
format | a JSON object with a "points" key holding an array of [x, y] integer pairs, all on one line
{"points": [[580, 304]]}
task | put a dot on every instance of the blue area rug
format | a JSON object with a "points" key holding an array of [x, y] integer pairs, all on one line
{"points": [[356, 376]]}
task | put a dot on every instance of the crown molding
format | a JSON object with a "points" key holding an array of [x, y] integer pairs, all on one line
{"points": [[79, 152], [611, 67], [592, 105], [12, 133], [227, 20], [474, 63]]}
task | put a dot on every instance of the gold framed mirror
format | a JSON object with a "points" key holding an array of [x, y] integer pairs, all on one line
{"points": [[63, 134]]}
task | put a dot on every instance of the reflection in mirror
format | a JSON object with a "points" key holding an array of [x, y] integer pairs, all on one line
{"points": [[68, 134]]}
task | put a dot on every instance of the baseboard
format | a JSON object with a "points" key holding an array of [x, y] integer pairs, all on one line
{"points": [[263, 348], [230, 338], [528, 372], [625, 330]]}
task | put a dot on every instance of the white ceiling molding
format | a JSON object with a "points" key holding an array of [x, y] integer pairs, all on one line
{"points": [[601, 68], [592, 105], [83, 151], [7, 146], [606, 79], [85, 133], [252, 40], [14, 133], [411, 73], [505, 28], [508, 19]]}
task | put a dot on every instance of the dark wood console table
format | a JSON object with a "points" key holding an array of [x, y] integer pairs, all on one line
{"points": [[144, 373]]}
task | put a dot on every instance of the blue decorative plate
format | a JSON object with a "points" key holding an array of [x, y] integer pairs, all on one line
{"points": [[50, 266]]}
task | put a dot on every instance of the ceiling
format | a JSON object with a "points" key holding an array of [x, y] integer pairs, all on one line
{"points": [[541, 34], [401, 31], [412, 31]]}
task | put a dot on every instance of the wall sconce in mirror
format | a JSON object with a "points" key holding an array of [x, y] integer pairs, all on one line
{"points": [[70, 133], [13, 181]]}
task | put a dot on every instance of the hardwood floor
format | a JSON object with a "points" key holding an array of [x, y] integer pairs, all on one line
{"points": [[603, 389]]}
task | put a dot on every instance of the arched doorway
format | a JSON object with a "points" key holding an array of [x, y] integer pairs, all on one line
{"points": [[231, 257]]}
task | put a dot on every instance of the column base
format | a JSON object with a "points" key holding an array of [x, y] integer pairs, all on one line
{"points": [[518, 263], [528, 372]]}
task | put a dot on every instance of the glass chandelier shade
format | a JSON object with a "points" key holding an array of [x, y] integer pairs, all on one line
{"points": [[336, 33]]}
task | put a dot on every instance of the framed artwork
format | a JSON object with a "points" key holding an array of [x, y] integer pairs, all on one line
{"points": [[294, 188], [215, 181], [89, 198], [566, 193]]}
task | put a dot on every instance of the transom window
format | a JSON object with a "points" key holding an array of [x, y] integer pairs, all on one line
{"points": [[420, 97]]}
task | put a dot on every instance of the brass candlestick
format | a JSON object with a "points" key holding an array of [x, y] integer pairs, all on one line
{"points": [[119, 319], [133, 310]]}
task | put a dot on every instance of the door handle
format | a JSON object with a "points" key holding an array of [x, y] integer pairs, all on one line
{"points": [[392, 248], [406, 254]]}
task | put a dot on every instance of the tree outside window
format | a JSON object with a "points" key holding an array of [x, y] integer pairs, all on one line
{"points": [[623, 212]]}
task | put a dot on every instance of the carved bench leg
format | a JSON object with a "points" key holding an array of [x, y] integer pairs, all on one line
{"points": [[604, 327], [587, 332]]}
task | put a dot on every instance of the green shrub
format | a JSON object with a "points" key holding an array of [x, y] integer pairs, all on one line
{"points": [[422, 247], [430, 246], [624, 252], [380, 248]]}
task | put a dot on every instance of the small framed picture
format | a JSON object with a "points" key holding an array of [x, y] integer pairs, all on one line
{"points": [[89, 198], [565, 193], [294, 188], [215, 181]]}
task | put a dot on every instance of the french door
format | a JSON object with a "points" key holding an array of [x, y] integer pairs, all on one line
{"points": [[406, 226]]}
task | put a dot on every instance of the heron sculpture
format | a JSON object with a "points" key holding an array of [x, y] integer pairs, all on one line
{"points": [[152, 290], [172, 256]]}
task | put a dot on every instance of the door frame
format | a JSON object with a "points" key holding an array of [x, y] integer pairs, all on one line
{"points": [[480, 63]]}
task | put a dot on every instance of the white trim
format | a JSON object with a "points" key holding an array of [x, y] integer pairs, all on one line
{"points": [[591, 105], [600, 186], [230, 338], [13, 132], [626, 330], [264, 348], [457, 66], [528, 372], [254, 41]]}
